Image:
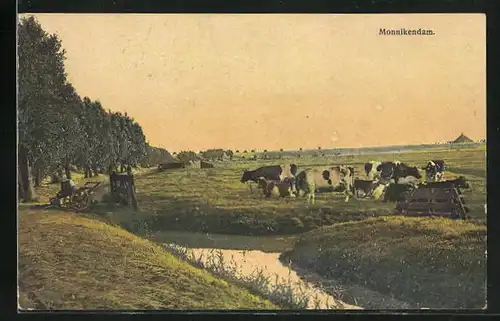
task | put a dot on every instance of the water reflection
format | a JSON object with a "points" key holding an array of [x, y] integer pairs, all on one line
{"points": [[253, 266]]}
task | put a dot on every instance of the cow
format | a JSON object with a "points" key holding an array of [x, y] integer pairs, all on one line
{"points": [[272, 173], [459, 182], [371, 170], [365, 186], [434, 170], [284, 188], [312, 179], [398, 192], [398, 172]]}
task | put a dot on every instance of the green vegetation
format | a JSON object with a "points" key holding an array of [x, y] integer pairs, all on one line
{"points": [[436, 253], [433, 263], [214, 200], [58, 129], [72, 262]]}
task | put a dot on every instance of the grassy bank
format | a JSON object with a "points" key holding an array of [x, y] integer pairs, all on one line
{"points": [[67, 261], [434, 263]]}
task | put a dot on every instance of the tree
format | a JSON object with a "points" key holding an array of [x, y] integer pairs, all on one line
{"points": [[281, 149], [57, 128], [42, 115], [214, 154], [187, 157], [155, 156]]}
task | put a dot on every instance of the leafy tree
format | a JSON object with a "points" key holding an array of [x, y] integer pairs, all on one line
{"points": [[41, 100], [155, 156], [214, 154], [58, 129], [187, 156]]}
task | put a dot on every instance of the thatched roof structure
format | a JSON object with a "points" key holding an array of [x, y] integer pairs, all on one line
{"points": [[462, 139]]}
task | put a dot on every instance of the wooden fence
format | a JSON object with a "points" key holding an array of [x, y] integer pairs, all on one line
{"points": [[432, 201]]}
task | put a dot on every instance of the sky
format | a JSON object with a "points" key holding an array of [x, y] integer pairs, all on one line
{"points": [[247, 81]]}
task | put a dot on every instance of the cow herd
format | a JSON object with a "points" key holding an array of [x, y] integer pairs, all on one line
{"points": [[387, 176]]}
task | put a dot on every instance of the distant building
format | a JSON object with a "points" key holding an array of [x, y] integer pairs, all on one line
{"points": [[462, 139]]}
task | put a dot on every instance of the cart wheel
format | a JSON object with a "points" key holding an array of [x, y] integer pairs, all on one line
{"points": [[65, 201], [81, 202]]}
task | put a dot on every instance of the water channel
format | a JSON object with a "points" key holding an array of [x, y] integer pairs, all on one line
{"points": [[249, 256]]}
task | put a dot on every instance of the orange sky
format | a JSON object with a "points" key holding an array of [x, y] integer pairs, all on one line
{"points": [[202, 81]]}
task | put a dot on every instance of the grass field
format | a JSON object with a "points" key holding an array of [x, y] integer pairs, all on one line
{"points": [[68, 261], [214, 200], [433, 263], [428, 262]]}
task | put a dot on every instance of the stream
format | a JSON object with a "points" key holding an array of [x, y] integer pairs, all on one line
{"points": [[251, 258], [255, 264]]}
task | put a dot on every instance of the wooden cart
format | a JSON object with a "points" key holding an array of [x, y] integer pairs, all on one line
{"points": [[76, 199]]}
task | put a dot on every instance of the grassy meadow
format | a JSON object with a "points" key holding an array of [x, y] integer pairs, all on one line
{"points": [[215, 201], [436, 263], [88, 261]]}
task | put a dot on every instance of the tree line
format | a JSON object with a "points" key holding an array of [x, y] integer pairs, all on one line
{"points": [[215, 154], [57, 129]]}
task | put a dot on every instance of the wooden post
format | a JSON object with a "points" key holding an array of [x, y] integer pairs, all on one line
{"points": [[113, 184], [123, 189], [133, 197]]}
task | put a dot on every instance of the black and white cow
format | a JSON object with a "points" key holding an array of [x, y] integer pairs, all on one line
{"points": [[271, 172], [285, 188], [459, 183], [434, 170], [398, 172], [365, 186], [371, 170], [312, 179], [398, 192], [276, 173]]}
